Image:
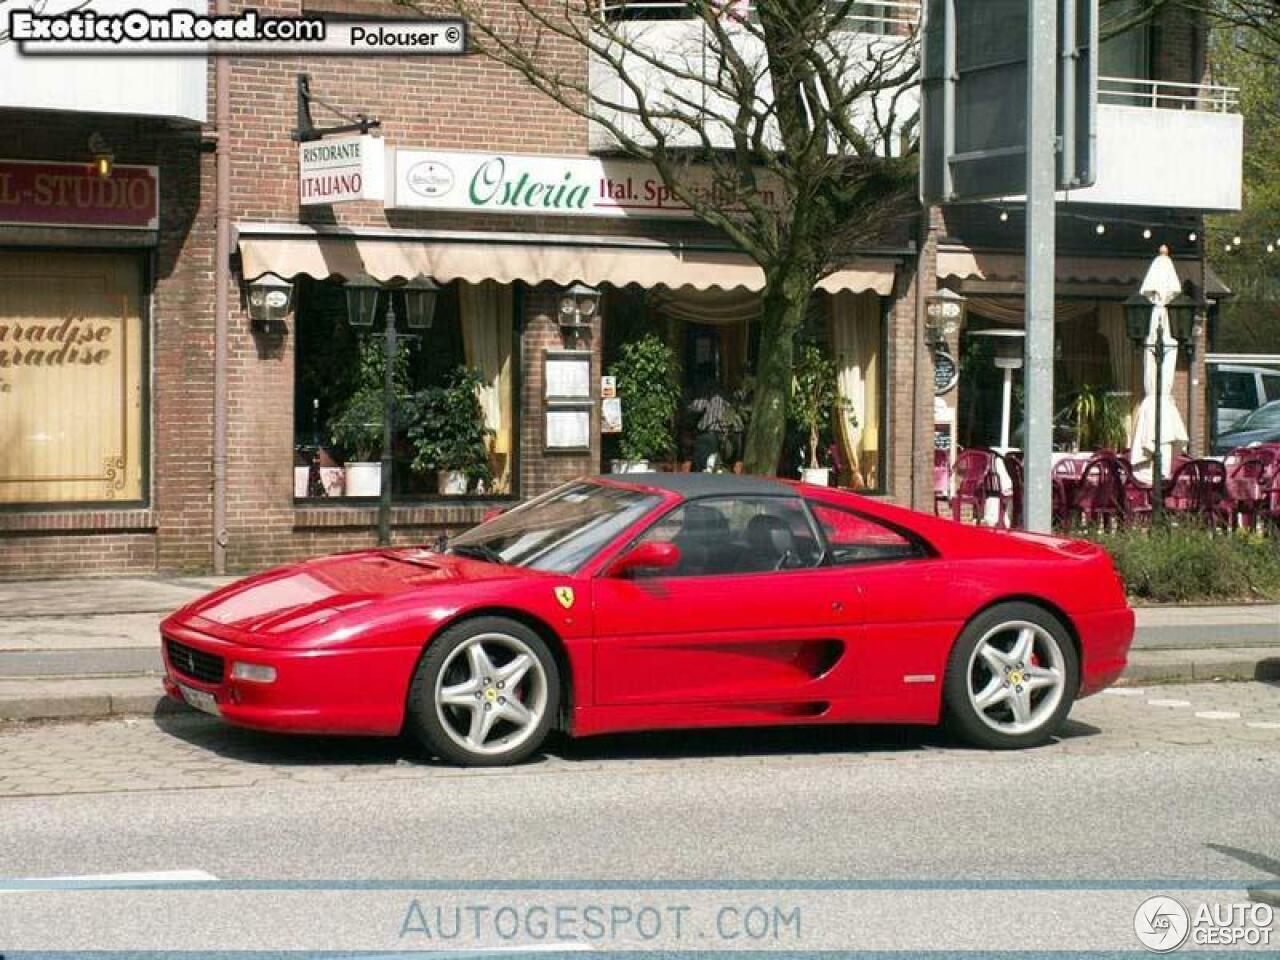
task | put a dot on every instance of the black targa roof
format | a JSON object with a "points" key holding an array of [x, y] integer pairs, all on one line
{"points": [[689, 485]]}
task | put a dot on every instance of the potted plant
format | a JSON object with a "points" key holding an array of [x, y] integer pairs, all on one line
{"points": [[1099, 419], [358, 425], [814, 395], [449, 435], [650, 393]]}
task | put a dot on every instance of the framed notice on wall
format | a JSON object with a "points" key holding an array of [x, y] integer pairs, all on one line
{"points": [[567, 374], [568, 428]]}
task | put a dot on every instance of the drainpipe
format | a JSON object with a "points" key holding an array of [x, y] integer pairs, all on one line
{"points": [[221, 300]]}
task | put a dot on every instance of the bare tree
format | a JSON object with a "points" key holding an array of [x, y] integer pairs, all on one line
{"points": [[794, 101]]}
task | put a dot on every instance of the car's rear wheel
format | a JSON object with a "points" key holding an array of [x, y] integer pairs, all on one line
{"points": [[486, 693], [1011, 678]]}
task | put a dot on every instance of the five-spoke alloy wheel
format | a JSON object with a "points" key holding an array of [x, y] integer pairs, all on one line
{"points": [[1012, 677], [485, 693]]}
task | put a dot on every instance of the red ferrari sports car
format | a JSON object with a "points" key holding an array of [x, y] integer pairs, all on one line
{"points": [[644, 601]]}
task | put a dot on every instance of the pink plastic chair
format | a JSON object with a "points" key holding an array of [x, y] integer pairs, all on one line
{"points": [[973, 482]]}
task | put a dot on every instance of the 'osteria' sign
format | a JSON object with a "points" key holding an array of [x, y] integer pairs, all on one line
{"points": [[538, 185]]}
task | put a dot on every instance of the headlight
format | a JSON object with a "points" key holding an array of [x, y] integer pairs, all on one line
{"points": [[254, 672]]}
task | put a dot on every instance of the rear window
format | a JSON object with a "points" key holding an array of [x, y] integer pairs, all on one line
{"points": [[856, 538]]}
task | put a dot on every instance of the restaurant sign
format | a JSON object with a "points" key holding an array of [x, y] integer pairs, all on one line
{"points": [[334, 171], [74, 195], [541, 185]]}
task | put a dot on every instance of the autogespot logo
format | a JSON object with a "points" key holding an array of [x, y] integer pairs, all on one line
{"points": [[1162, 924]]}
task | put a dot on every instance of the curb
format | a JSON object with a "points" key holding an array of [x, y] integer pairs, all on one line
{"points": [[1202, 666]]}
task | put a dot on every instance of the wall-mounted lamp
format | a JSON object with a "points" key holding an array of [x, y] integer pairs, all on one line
{"points": [[269, 299], [578, 304], [944, 315], [103, 159]]}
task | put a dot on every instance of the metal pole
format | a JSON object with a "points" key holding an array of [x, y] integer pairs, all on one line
{"points": [[1042, 83], [1006, 409], [221, 298], [388, 425], [1157, 460]]}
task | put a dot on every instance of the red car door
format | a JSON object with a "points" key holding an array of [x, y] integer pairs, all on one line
{"points": [[749, 615]]}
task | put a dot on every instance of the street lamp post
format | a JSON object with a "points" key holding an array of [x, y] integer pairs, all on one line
{"points": [[419, 299]]}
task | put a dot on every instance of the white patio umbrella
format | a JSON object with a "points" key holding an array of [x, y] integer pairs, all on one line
{"points": [[1161, 286]]}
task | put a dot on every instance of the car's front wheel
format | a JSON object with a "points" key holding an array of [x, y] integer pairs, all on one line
{"points": [[1011, 678], [486, 693]]}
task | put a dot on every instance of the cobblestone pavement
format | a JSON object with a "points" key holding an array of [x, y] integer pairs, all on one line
{"points": [[178, 749]]}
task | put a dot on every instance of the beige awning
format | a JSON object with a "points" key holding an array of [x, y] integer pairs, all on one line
{"points": [[648, 266], [1108, 271]]}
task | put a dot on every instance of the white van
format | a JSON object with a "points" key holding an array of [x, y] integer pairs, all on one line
{"points": [[1238, 390]]}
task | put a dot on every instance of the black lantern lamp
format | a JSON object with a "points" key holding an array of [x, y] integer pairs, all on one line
{"points": [[362, 300], [944, 314], [579, 304], [420, 295], [269, 299], [1137, 317], [1182, 317]]}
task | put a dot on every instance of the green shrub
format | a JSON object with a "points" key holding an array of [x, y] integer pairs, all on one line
{"points": [[647, 383], [1192, 564]]}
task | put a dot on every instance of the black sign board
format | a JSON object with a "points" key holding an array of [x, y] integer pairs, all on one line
{"points": [[946, 373], [974, 98]]}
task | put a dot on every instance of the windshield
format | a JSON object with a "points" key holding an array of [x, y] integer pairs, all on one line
{"points": [[559, 531], [1262, 418]]}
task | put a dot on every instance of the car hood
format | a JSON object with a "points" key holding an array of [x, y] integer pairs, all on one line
{"points": [[290, 599], [1242, 438]]}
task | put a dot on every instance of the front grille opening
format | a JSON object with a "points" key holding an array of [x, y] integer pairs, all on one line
{"points": [[193, 663]]}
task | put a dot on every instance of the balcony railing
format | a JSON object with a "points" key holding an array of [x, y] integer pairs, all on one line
{"points": [[892, 17], [1167, 95]]}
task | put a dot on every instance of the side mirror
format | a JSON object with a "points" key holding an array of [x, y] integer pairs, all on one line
{"points": [[653, 555], [493, 513]]}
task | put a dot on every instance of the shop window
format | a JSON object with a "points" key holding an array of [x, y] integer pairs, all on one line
{"points": [[72, 383], [339, 407]]}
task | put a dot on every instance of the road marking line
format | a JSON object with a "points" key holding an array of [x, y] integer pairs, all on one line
{"points": [[1169, 703], [1264, 724], [1125, 691], [108, 880], [1218, 715]]}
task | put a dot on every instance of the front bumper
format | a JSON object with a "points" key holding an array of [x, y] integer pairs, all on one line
{"points": [[1105, 638], [345, 691]]}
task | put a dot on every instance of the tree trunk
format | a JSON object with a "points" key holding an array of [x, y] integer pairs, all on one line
{"points": [[786, 298]]}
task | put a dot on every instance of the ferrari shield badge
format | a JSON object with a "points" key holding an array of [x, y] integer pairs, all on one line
{"points": [[565, 596]]}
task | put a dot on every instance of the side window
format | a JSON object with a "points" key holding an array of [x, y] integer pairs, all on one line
{"points": [[1271, 386], [1237, 391], [854, 538], [728, 535]]}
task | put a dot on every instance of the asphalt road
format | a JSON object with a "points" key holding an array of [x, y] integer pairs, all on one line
{"points": [[1168, 783]]}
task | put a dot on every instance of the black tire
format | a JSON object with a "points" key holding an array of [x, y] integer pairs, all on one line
{"points": [[968, 670], [431, 724]]}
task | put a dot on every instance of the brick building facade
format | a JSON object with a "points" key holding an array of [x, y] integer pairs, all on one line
{"points": [[424, 104]]}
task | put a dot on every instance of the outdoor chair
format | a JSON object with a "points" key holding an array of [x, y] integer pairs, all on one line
{"points": [[941, 480], [1197, 490], [1138, 496], [1248, 487], [1100, 495], [973, 483]]}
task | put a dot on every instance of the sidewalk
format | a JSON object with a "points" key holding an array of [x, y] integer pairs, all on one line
{"points": [[89, 647]]}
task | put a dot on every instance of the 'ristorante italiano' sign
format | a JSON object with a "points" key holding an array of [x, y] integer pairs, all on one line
{"points": [[539, 185], [334, 171], [73, 195]]}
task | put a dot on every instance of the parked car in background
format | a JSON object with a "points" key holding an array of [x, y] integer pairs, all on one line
{"points": [[1261, 426], [1240, 390]]}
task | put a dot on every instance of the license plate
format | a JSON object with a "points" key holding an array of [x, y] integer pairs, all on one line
{"points": [[199, 699]]}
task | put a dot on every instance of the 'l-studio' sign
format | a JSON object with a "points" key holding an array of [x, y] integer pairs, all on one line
{"points": [[334, 171]]}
